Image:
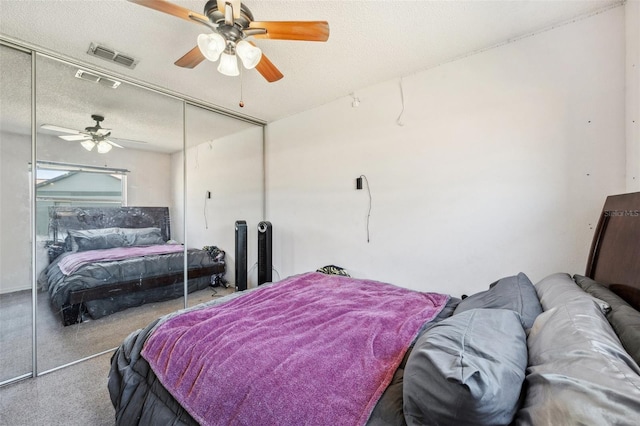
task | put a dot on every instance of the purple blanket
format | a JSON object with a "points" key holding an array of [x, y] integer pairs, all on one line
{"points": [[313, 349], [75, 261]]}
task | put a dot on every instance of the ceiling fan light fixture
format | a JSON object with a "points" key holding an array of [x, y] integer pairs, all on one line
{"points": [[249, 55], [88, 144], [211, 45], [228, 65], [103, 147]]}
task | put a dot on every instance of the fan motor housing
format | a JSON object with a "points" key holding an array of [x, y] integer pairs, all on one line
{"points": [[215, 16]]}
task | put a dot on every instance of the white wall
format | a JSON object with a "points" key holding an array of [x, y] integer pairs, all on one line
{"points": [[148, 184], [501, 165], [231, 168]]}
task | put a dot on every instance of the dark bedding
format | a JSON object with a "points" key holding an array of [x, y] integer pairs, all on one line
{"points": [[140, 398], [500, 358], [93, 275]]}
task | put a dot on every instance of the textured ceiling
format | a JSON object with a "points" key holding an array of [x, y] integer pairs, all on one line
{"points": [[370, 42]]}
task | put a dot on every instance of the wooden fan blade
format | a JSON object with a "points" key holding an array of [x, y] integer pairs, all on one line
{"points": [[293, 30], [171, 9], [191, 59], [59, 129], [75, 137], [268, 70]]}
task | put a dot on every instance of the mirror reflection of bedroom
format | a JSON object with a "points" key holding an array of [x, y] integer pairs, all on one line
{"points": [[111, 243]]}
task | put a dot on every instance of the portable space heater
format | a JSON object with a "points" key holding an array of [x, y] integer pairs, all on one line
{"points": [[241, 255], [265, 263]]}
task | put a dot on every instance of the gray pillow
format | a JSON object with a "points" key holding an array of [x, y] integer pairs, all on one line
{"points": [[515, 293], [558, 289], [578, 370], [624, 319], [467, 370]]}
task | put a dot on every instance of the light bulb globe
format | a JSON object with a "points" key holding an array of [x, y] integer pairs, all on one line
{"points": [[211, 45], [104, 147], [249, 54], [228, 65], [88, 144]]}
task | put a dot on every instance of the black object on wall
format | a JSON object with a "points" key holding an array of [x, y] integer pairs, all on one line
{"points": [[241, 255], [265, 259]]}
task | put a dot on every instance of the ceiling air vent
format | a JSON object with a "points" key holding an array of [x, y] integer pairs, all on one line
{"points": [[87, 76], [112, 56]]}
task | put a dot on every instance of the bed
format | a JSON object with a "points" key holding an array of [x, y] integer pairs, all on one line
{"points": [[321, 349], [104, 260]]}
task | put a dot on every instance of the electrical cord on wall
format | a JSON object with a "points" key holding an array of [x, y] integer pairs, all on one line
{"points": [[399, 119], [255, 265], [369, 212], [206, 196], [276, 271]]}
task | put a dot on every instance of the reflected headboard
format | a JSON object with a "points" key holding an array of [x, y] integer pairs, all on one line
{"points": [[61, 219], [614, 259]]}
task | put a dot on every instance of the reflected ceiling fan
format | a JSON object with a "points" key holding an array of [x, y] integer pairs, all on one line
{"points": [[232, 22], [92, 136]]}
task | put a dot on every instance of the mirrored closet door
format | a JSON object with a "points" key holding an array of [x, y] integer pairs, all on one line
{"points": [[225, 183], [109, 180], [15, 218], [112, 165]]}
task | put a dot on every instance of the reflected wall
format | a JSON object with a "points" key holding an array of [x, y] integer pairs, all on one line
{"points": [[225, 183]]}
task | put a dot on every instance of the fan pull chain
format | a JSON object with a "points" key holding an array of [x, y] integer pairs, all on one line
{"points": [[241, 95]]}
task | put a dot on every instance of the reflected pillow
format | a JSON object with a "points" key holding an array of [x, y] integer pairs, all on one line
{"points": [[95, 239], [515, 293], [467, 369], [106, 238], [142, 236]]}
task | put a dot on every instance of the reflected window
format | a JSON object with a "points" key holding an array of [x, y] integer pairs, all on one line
{"points": [[59, 184]]}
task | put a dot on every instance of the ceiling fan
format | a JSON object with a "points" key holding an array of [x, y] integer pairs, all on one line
{"points": [[92, 136], [232, 22]]}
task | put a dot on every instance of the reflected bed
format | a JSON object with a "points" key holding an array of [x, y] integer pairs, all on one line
{"points": [[104, 260]]}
